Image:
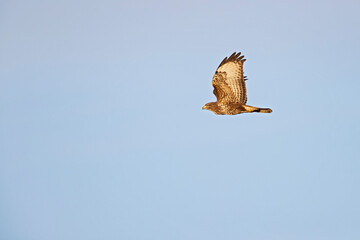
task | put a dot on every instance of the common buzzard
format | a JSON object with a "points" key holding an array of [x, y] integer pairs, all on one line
{"points": [[230, 90]]}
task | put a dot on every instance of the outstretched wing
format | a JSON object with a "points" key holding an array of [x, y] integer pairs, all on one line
{"points": [[229, 81]]}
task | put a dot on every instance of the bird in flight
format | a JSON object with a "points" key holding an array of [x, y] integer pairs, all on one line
{"points": [[230, 90]]}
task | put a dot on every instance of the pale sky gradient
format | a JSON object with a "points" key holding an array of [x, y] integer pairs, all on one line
{"points": [[102, 135]]}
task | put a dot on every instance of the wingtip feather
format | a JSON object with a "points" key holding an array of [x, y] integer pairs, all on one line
{"points": [[233, 57]]}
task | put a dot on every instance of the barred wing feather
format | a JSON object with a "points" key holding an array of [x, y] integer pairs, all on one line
{"points": [[229, 81]]}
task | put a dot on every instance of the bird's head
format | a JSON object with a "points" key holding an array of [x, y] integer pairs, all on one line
{"points": [[210, 106], [205, 107]]}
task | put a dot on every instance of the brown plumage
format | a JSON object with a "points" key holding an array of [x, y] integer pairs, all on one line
{"points": [[230, 89]]}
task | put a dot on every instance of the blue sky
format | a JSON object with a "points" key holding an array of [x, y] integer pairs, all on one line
{"points": [[102, 134]]}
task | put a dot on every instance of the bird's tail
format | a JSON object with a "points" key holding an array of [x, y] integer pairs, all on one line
{"points": [[264, 110], [257, 109]]}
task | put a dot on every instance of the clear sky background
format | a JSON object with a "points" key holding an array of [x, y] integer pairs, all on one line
{"points": [[102, 135]]}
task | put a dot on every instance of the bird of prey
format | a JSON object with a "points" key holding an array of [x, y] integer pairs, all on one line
{"points": [[230, 90]]}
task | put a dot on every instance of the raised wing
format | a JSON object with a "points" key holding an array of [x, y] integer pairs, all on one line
{"points": [[229, 81]]}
